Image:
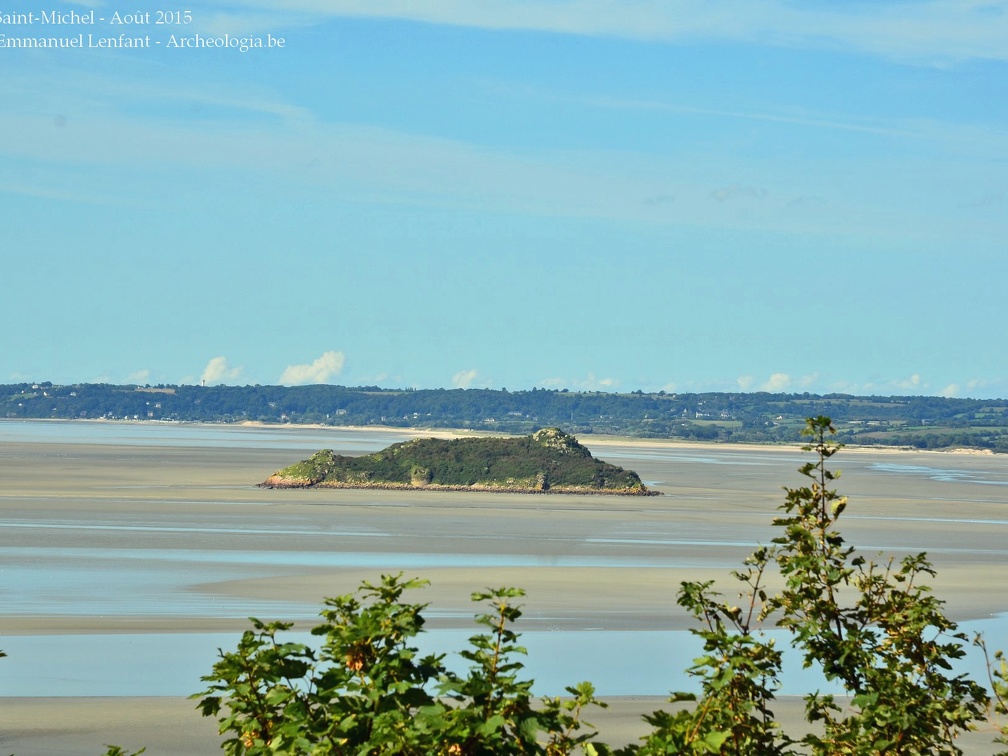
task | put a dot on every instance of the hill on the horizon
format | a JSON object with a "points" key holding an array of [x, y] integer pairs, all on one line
{"points": [[923, 422]]}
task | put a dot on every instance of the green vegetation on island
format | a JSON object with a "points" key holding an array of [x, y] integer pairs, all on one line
{"points": [[548, 461]]}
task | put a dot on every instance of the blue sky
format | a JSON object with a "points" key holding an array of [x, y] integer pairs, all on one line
{"points": [[583, 194]]}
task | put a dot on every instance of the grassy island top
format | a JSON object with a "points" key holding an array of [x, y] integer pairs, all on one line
{"points": [[548, 461]]}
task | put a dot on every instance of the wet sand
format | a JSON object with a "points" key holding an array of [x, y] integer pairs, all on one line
{"points": [[171, 726], [82, 726], [596, 562]]}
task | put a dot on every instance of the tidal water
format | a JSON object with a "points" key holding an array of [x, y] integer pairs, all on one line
{"points": [[617, 663], [63, 565]]}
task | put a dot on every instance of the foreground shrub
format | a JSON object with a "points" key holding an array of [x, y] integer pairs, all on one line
{"points": [[875, 631], [368, 690]]}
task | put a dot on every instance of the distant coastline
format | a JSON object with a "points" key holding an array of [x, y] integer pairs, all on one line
{"points": [[914, 422], [593, 439]]}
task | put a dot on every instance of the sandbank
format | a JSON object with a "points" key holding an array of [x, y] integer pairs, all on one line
{"points": [[602, 562]]}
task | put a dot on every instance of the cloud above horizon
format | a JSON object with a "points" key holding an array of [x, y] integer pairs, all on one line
{"points": [[590, 383], [218, 370], [776, 383], [913, 382], [326, 367], [464, 378], [350, 161]]}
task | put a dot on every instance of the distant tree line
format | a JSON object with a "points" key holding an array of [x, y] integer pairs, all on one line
{"points": [[918, 421]]}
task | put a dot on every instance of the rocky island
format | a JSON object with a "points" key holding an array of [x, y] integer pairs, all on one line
{"points": [[548, 461]]}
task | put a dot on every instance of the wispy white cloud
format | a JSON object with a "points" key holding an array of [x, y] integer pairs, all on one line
{"points": [[464, 378], [977, 384], [218, 370], [952, 390], [589, 383], [832, 122], [377, 165], [976, 388], [140, 376], [260, 135], [357, 163], [808, 381], [934, 30], [908, 384], [912, 384], [328, 366], [777, 382]]}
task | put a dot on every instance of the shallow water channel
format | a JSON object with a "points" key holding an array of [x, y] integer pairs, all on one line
{"points": [[102, 521]]}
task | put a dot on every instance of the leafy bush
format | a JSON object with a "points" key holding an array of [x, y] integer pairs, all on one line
{"points": [[872, 629], [367, 690]]}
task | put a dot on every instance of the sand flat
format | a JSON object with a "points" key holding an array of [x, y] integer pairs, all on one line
{"points": [[184, 526], [173, 727]]}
